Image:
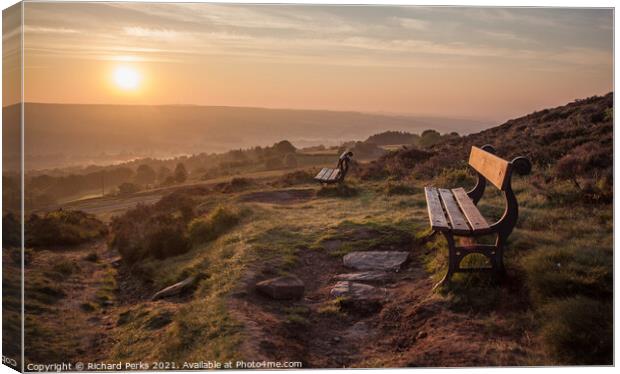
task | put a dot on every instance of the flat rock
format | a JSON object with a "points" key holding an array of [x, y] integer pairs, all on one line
{"points": [[376, 260], [282, 288], [175, 289], [366, 276], [358, 291]]}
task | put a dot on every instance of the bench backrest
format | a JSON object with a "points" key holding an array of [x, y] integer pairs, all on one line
{"points": [[496, 170]]}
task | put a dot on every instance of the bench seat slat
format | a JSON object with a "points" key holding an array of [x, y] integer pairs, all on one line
{"points": [[471, 212], [436, 214], [321, 173], [334, 175], [457, 219]]}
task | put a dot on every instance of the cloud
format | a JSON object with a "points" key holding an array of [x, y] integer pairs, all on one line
{"points": [[49, 30], [411, 23], [153, 33]]}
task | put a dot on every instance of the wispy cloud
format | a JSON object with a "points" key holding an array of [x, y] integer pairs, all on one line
{"points": [[153, 33], [411, 23], [49, 30]]}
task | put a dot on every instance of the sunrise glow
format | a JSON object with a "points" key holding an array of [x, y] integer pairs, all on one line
{"points": [[126, 78]]}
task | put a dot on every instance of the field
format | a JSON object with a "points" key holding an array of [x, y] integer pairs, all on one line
{"points": [[305, 230]]}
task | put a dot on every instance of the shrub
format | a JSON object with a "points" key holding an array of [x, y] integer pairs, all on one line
{"points": [[166, 241], [156, 231], [180, 173], [11, 231], [453, 178], [128, 188], [290, 161], [63, 227], [579, 331], [397, 164], [205, 229]]}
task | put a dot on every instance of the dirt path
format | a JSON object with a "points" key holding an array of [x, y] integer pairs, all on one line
{"points": [[413, 327]]}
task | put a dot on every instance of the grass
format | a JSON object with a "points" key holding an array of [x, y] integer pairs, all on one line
{"points": [[560, 262], [230, 244]]}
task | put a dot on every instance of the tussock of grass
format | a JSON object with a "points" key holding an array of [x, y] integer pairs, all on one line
{"points": [[399, 188], [205, 229], [569, 270], [579, 330]]}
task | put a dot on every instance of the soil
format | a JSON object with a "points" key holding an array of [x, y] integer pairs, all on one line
{"points": [[413, 327]]}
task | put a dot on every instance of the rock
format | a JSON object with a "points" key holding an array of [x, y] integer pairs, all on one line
{"points": [[422, 335], [116, 261], [359, 331], [175, 289], [366, 276], [282, 288], [359, 297], [336, 339], [376, 260], [357, 291]]}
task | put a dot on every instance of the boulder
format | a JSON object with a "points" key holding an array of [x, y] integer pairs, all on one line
{"points": [[376, 260], [366, 276], [282, 288], [175, 289]]}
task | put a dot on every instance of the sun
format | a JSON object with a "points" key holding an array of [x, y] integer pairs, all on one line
{"points": [[126, 78]]}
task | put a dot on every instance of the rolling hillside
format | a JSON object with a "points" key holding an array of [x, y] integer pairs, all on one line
{"points": [[581, 130], [67, 134]]}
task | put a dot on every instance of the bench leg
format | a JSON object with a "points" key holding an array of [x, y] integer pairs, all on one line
{"points": [[500, 269], [452, 261]]}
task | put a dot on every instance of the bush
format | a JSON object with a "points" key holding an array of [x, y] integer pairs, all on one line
{"points": [[579, 331], [205, 229], [290, 161], [157, 231], [165, 241], [11, 231], [398, 164], [63, 227], [128, 188], [454, 178]]}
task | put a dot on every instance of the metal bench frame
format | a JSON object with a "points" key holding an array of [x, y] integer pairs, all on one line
{"points": [[502, 228]]}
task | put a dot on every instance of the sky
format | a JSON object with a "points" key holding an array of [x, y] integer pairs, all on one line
{"points": [[476, 62]]}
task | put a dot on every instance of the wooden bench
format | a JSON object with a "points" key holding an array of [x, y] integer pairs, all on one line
{"points": [[336, 175], [454, 212]]}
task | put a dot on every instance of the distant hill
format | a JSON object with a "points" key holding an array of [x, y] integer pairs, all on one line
{"points": [[71, 134], [393, 137], [582, 129]]}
